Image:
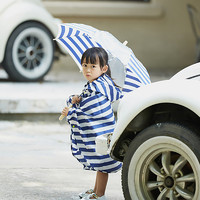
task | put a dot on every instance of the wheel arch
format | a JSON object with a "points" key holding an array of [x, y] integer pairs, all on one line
{"points": [[154, 114], [138, 108]]}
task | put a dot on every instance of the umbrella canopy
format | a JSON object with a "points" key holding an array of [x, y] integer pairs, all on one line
{"points": [[126, 70]]}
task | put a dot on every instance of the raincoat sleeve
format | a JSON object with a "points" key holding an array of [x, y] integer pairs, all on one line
{"points": [[72, 111], [71, 114], [69, 101]]}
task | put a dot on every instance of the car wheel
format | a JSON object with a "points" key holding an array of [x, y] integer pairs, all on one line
{"points": [[162, 162], [29, 52]]}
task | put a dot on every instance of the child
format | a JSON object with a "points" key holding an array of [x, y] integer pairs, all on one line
{"points": [[91, 115]]}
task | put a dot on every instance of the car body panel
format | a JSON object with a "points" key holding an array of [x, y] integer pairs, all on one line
{"points": [[160, 92], [5, 5], [191, 72], [23, 11], [178, 90]]}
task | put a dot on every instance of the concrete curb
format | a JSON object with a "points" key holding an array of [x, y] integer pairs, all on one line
{"points": [[18, 98]]}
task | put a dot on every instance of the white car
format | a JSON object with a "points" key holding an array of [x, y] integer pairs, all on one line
{"points": [[157, 137], [27, 48]]}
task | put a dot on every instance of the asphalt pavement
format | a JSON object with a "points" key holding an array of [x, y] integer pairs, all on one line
{"points": [[35, 156]]}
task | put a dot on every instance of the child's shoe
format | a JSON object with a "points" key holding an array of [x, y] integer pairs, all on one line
{"points": [[85, 194], [75, 198], [94, 196]]}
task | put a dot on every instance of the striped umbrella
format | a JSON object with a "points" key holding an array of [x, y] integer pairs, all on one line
{"points": [[126, 70]]}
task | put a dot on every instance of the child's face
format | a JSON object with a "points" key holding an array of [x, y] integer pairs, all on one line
{"points": [[92, 71]]}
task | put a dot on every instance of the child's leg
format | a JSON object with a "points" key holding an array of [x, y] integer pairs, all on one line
{"points": [[95, 187], [101, 183]]}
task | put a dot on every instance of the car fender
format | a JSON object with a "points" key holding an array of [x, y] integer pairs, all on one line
{"points": [[22, 11], [190, 72], [176, 91]]}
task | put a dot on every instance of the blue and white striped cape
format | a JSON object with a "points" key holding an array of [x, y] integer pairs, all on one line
{"points": [[92, 117]]}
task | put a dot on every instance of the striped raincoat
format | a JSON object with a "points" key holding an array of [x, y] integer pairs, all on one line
{"points": [[92, 117]]}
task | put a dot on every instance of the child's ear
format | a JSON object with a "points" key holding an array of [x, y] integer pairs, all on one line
{"points": [[105, 68]]}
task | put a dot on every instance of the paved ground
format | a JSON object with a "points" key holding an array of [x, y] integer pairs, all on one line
{"points": [[36, 164]]}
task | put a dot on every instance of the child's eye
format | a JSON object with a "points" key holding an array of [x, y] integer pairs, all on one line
{"points": [[93, 66], [84, 65]]}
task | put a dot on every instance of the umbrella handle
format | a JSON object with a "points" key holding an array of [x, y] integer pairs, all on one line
{"points": [[62, 116]]}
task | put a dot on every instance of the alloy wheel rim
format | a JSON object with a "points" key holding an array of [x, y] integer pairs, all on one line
{"points": [[32, 52], [169, 175], [164, 170]]}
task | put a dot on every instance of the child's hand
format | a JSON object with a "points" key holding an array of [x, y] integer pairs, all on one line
{"points": [[76, 99], [65, 111]]}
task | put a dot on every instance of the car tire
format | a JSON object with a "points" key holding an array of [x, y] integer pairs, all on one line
{"points": [[29, 52], [162, 162]]}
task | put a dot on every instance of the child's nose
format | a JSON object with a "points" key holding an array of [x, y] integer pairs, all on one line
{"points": [[88, 69]]}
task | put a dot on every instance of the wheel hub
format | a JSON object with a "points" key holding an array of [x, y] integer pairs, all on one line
{"points": [[169, 182], [30, 53]]}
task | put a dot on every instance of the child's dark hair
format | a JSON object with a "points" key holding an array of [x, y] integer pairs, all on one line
{"points": [[92, 55]]}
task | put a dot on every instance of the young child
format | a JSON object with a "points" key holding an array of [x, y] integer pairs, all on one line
{"points": [[90, 115]]}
